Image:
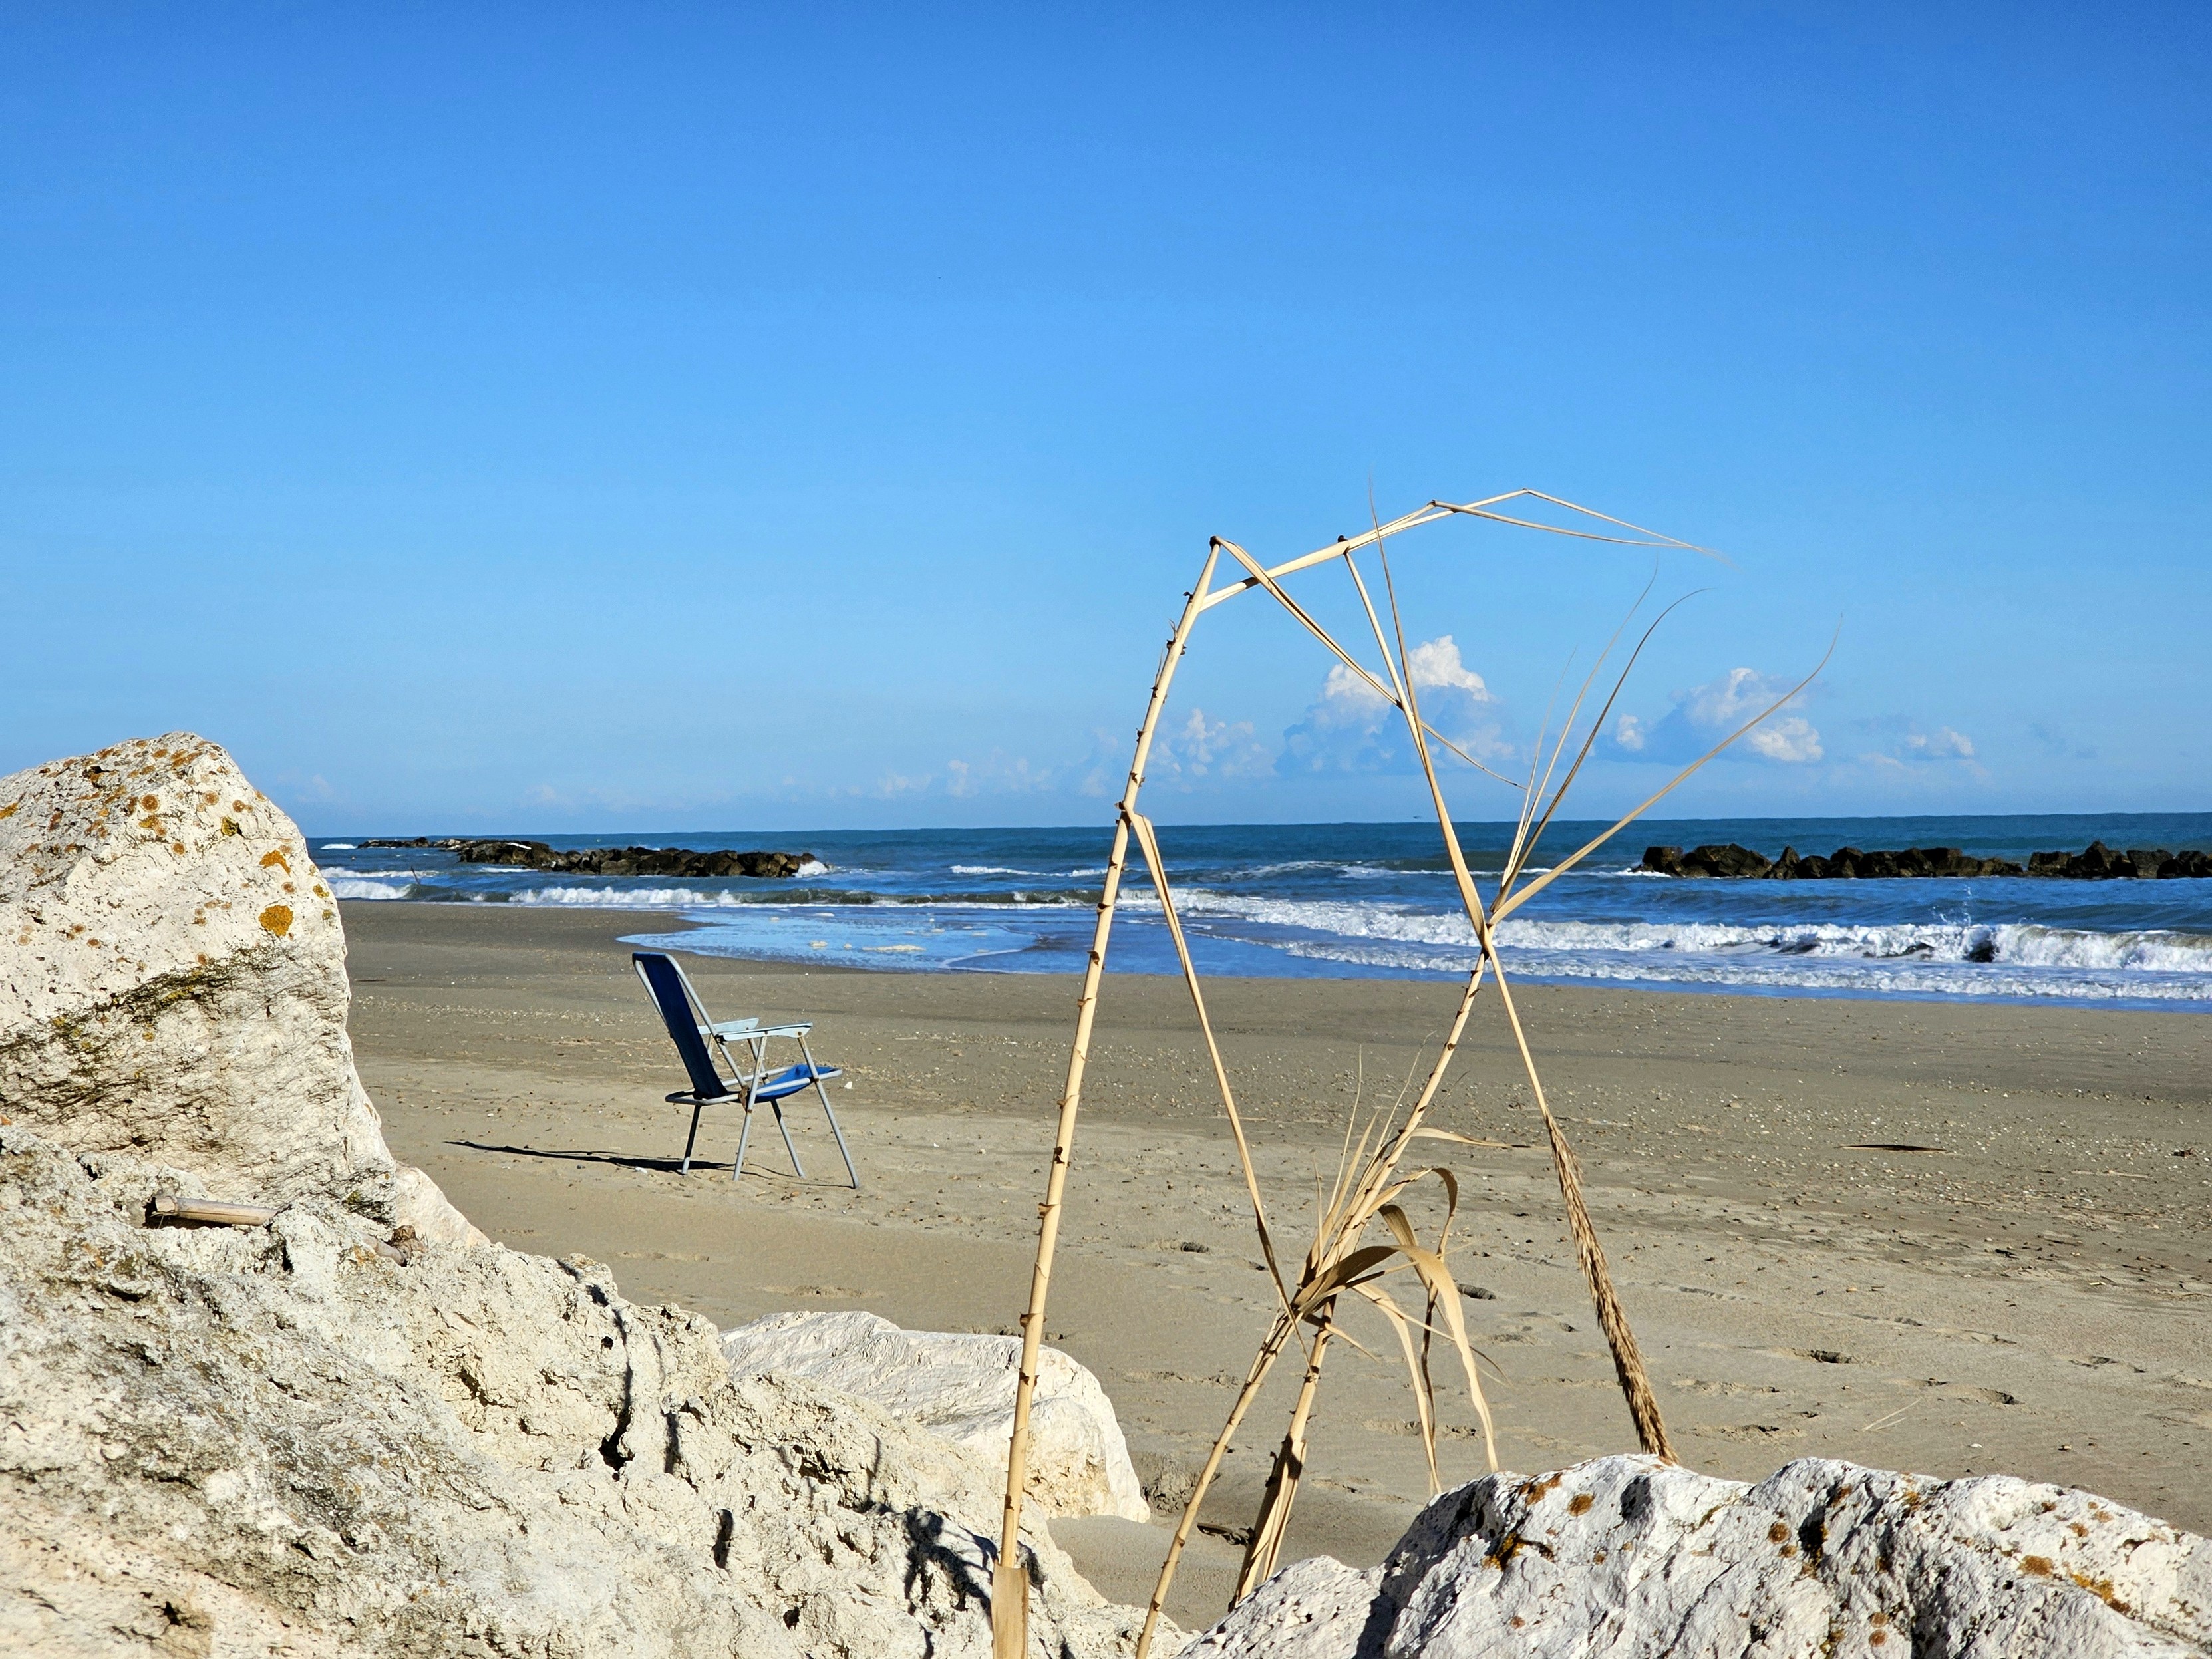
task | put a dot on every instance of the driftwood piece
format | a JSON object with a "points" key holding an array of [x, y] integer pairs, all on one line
{"points": [[167, 1206]]}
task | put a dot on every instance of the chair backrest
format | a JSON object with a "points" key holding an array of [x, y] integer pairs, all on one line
{"points": [[669, 995]]}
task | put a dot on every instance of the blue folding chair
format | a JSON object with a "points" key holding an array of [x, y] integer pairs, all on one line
{"points": [[748, 1085]]}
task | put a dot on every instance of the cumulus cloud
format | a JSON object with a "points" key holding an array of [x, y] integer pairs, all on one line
{"points": [[1203, 749], [1350, 727], [1704, 714], [1907, 745], [998, 773]]}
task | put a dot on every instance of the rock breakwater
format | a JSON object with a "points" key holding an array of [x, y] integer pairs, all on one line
{"points": [[2097, 862], [620, 861]]}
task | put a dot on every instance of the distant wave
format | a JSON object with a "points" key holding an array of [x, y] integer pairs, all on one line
{"points": [[339, 846], [362, 887], [2017, 943], [990, 870], [1909, 976], [630, 898]]}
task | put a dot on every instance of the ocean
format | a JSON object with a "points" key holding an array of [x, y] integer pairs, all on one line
{"points": [[1357, 900]]}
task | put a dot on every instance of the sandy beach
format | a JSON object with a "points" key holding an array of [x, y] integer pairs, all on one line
{"points": [[2028, 1295]]}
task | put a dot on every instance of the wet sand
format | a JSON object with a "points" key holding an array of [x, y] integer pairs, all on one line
{"points": [[2029, 1296]]}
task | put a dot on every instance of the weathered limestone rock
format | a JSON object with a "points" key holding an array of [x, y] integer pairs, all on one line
{"points": [[1634, 1559], [281, 1440], [173, 978], [361, 1428], [961, 1386], [417, 1204]]}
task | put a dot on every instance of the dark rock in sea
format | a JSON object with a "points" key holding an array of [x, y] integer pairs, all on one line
{"points": [[1730, 860], [1845, 864], [2097, 862], [1715, 859], [615, 861]]}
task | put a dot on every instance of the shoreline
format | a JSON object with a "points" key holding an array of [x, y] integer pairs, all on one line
{"points": [[1799, 1291], [682, 920]]}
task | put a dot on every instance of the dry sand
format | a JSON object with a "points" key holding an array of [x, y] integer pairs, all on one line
{"points": [[2029, 1296]]}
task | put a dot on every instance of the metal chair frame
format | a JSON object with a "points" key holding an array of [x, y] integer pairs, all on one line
{"points": [[748, 1085]]}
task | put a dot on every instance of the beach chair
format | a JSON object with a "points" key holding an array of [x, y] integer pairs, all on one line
{"points": [[749, 1083]]}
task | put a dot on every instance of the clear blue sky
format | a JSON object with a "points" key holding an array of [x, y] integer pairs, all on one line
{"points": [[561, 417]]}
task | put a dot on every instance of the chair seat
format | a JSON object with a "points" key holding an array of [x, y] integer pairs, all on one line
{"points": [[774, 1086]]}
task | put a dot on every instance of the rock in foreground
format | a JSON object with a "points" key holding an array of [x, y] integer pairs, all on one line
{"points": [[1632, 1559], [355, 1427], [172, 980], [285, 1440], [962, 1387]]}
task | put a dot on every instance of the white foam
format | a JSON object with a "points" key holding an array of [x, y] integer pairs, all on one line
{"points": [[339, 846], [2019, 944], [356, 887], [632, 898], [991, 870], [812, 867]]}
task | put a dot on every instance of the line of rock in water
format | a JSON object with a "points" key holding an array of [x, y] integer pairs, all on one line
{"points": [[2097, 862], [615, 860]]}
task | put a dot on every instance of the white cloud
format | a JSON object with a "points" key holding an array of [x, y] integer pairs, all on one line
{"points": [[1944, 743], [1351, 727], [1200, 748], [1704, 714], [1910, 746], [997, 774], [1436, 664]]}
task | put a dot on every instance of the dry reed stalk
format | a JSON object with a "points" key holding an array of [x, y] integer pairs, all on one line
{"points": [[1009, 1581], [1366, 1189], [1627, 1360], [1369, 1181]]}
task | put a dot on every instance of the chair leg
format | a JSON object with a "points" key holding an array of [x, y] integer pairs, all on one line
{"points": [[738, 1170], [776, 1106], [852, 1174], [692, 1139]]}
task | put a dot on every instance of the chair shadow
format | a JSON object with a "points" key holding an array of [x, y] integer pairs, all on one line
{"points": [[633, 1161]]}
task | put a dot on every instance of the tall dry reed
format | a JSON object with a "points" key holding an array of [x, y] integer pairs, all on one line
{"points": [[1345, 1266]]}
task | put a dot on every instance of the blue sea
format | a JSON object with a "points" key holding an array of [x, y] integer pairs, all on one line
{"points": [[1358, 900]]}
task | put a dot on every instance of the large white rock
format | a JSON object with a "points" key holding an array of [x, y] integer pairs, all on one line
{"points": [[280, 1440], [298, 1440], [961, 1386], [1632, 1559], [172, 977]]}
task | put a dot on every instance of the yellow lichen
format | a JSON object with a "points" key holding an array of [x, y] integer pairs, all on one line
{"points": [[11, 809], [276, 856], [278, 919]]}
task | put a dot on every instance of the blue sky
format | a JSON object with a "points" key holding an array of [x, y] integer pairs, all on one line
{"points": [[564, 418]]}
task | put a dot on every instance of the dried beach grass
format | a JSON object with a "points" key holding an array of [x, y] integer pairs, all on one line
{"points": [[1343, 1268]]}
